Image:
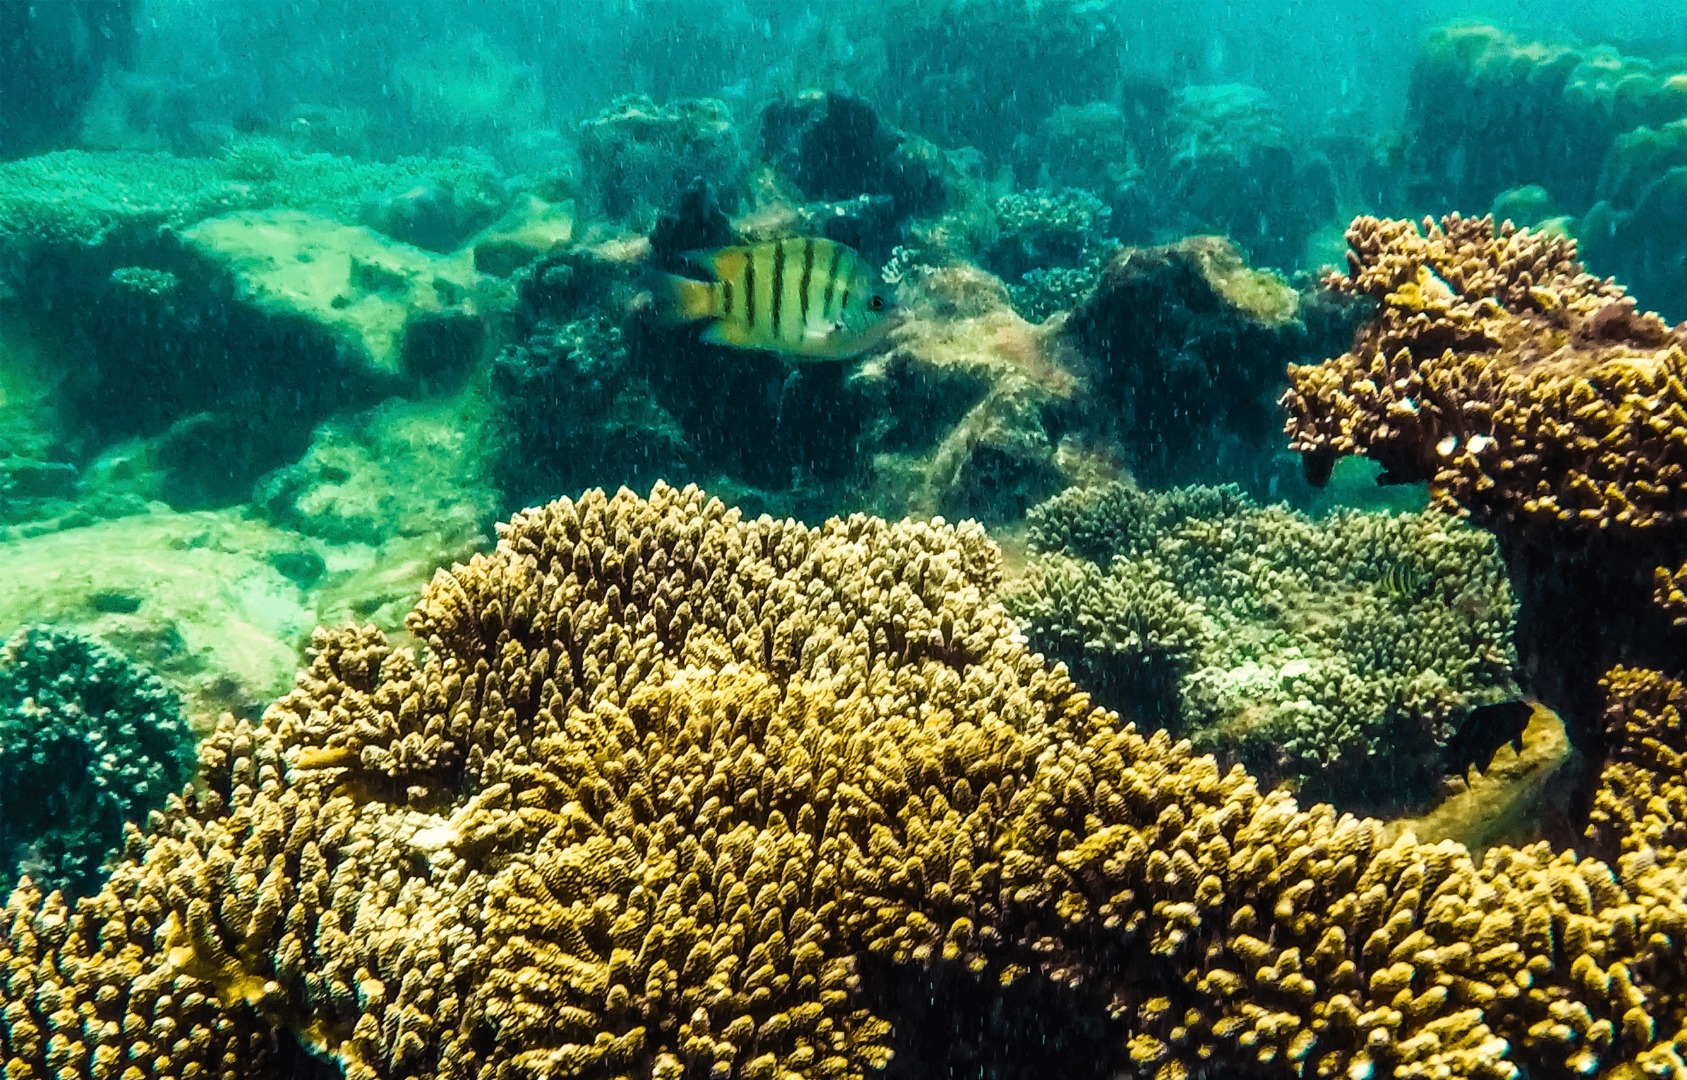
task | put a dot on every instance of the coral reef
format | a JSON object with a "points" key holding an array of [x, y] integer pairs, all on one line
{"points": [[1230, 168], [945, 65], [1342, 655], [1635, 231], [1186, 348], [1051, 248], [1169, 368], [637, 156], [592, 393], [88, 742], [671, 792], [1494, 111], [1538, 399], [1597, 131]]}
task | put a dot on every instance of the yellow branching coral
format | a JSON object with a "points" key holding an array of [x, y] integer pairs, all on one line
{"points": [[1519, 386], [672, 794]]}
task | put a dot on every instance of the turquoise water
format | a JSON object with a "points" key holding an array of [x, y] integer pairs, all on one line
{"points": [[301, 303]]}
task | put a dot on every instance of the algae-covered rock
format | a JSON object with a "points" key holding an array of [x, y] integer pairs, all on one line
{"points": [[1343, 655], [434, 215], [84, 198], [200, 598], [387, 310], [637, 156], [402, 469], [1186, 349], [214, 311], [531, 229], [834, 147], [969, 401]]}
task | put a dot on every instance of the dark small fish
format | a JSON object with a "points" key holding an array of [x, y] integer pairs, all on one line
{"points": [[805, 297]]}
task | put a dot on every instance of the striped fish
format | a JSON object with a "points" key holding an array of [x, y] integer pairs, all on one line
{"points": [[1404, 580], [804, 297]]}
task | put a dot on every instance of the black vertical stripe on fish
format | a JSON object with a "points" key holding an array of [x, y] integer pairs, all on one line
{"points": [[807, 275], [831, 282], [847, 271], [726, 299], [778, 288], [750, 290]]}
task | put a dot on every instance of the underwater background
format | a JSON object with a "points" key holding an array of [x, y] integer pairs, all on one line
{"points": [[1178, 569]]}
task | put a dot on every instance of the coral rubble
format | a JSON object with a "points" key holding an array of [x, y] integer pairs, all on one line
{"points": [[672, 792]]}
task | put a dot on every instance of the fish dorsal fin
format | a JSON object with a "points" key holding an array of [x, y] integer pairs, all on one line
{"points": [[725, 263]]}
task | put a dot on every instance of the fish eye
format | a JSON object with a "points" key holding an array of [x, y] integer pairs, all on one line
{"points": [[877, 303]]}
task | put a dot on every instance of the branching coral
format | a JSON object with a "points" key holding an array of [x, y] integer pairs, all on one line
{"points": [[1518, 385], [1536, 398], [88, 741], [1303, 648], [1641, 807], [672, 793]]}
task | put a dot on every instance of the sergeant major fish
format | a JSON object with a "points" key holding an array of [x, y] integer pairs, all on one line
{"points": [[804, 297]]}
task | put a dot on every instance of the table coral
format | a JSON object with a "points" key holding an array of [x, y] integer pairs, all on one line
{"points": [[672, 793], [1343, 654]]}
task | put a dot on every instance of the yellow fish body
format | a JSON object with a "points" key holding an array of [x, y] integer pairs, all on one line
{"points": [[804, 297]]}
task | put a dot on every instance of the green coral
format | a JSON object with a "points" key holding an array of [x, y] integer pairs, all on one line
{"points": [[88, 741], [1303, 647], [79, 197], [1051, 246]]}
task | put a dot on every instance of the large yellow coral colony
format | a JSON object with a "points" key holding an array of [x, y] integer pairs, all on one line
{"points": [[672, 794]]}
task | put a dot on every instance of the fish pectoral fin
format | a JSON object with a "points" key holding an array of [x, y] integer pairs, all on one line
{"points": [[724, 332], [679, 301]]}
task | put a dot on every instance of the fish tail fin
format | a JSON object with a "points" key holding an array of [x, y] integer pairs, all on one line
{"points": [[680, 301]]}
